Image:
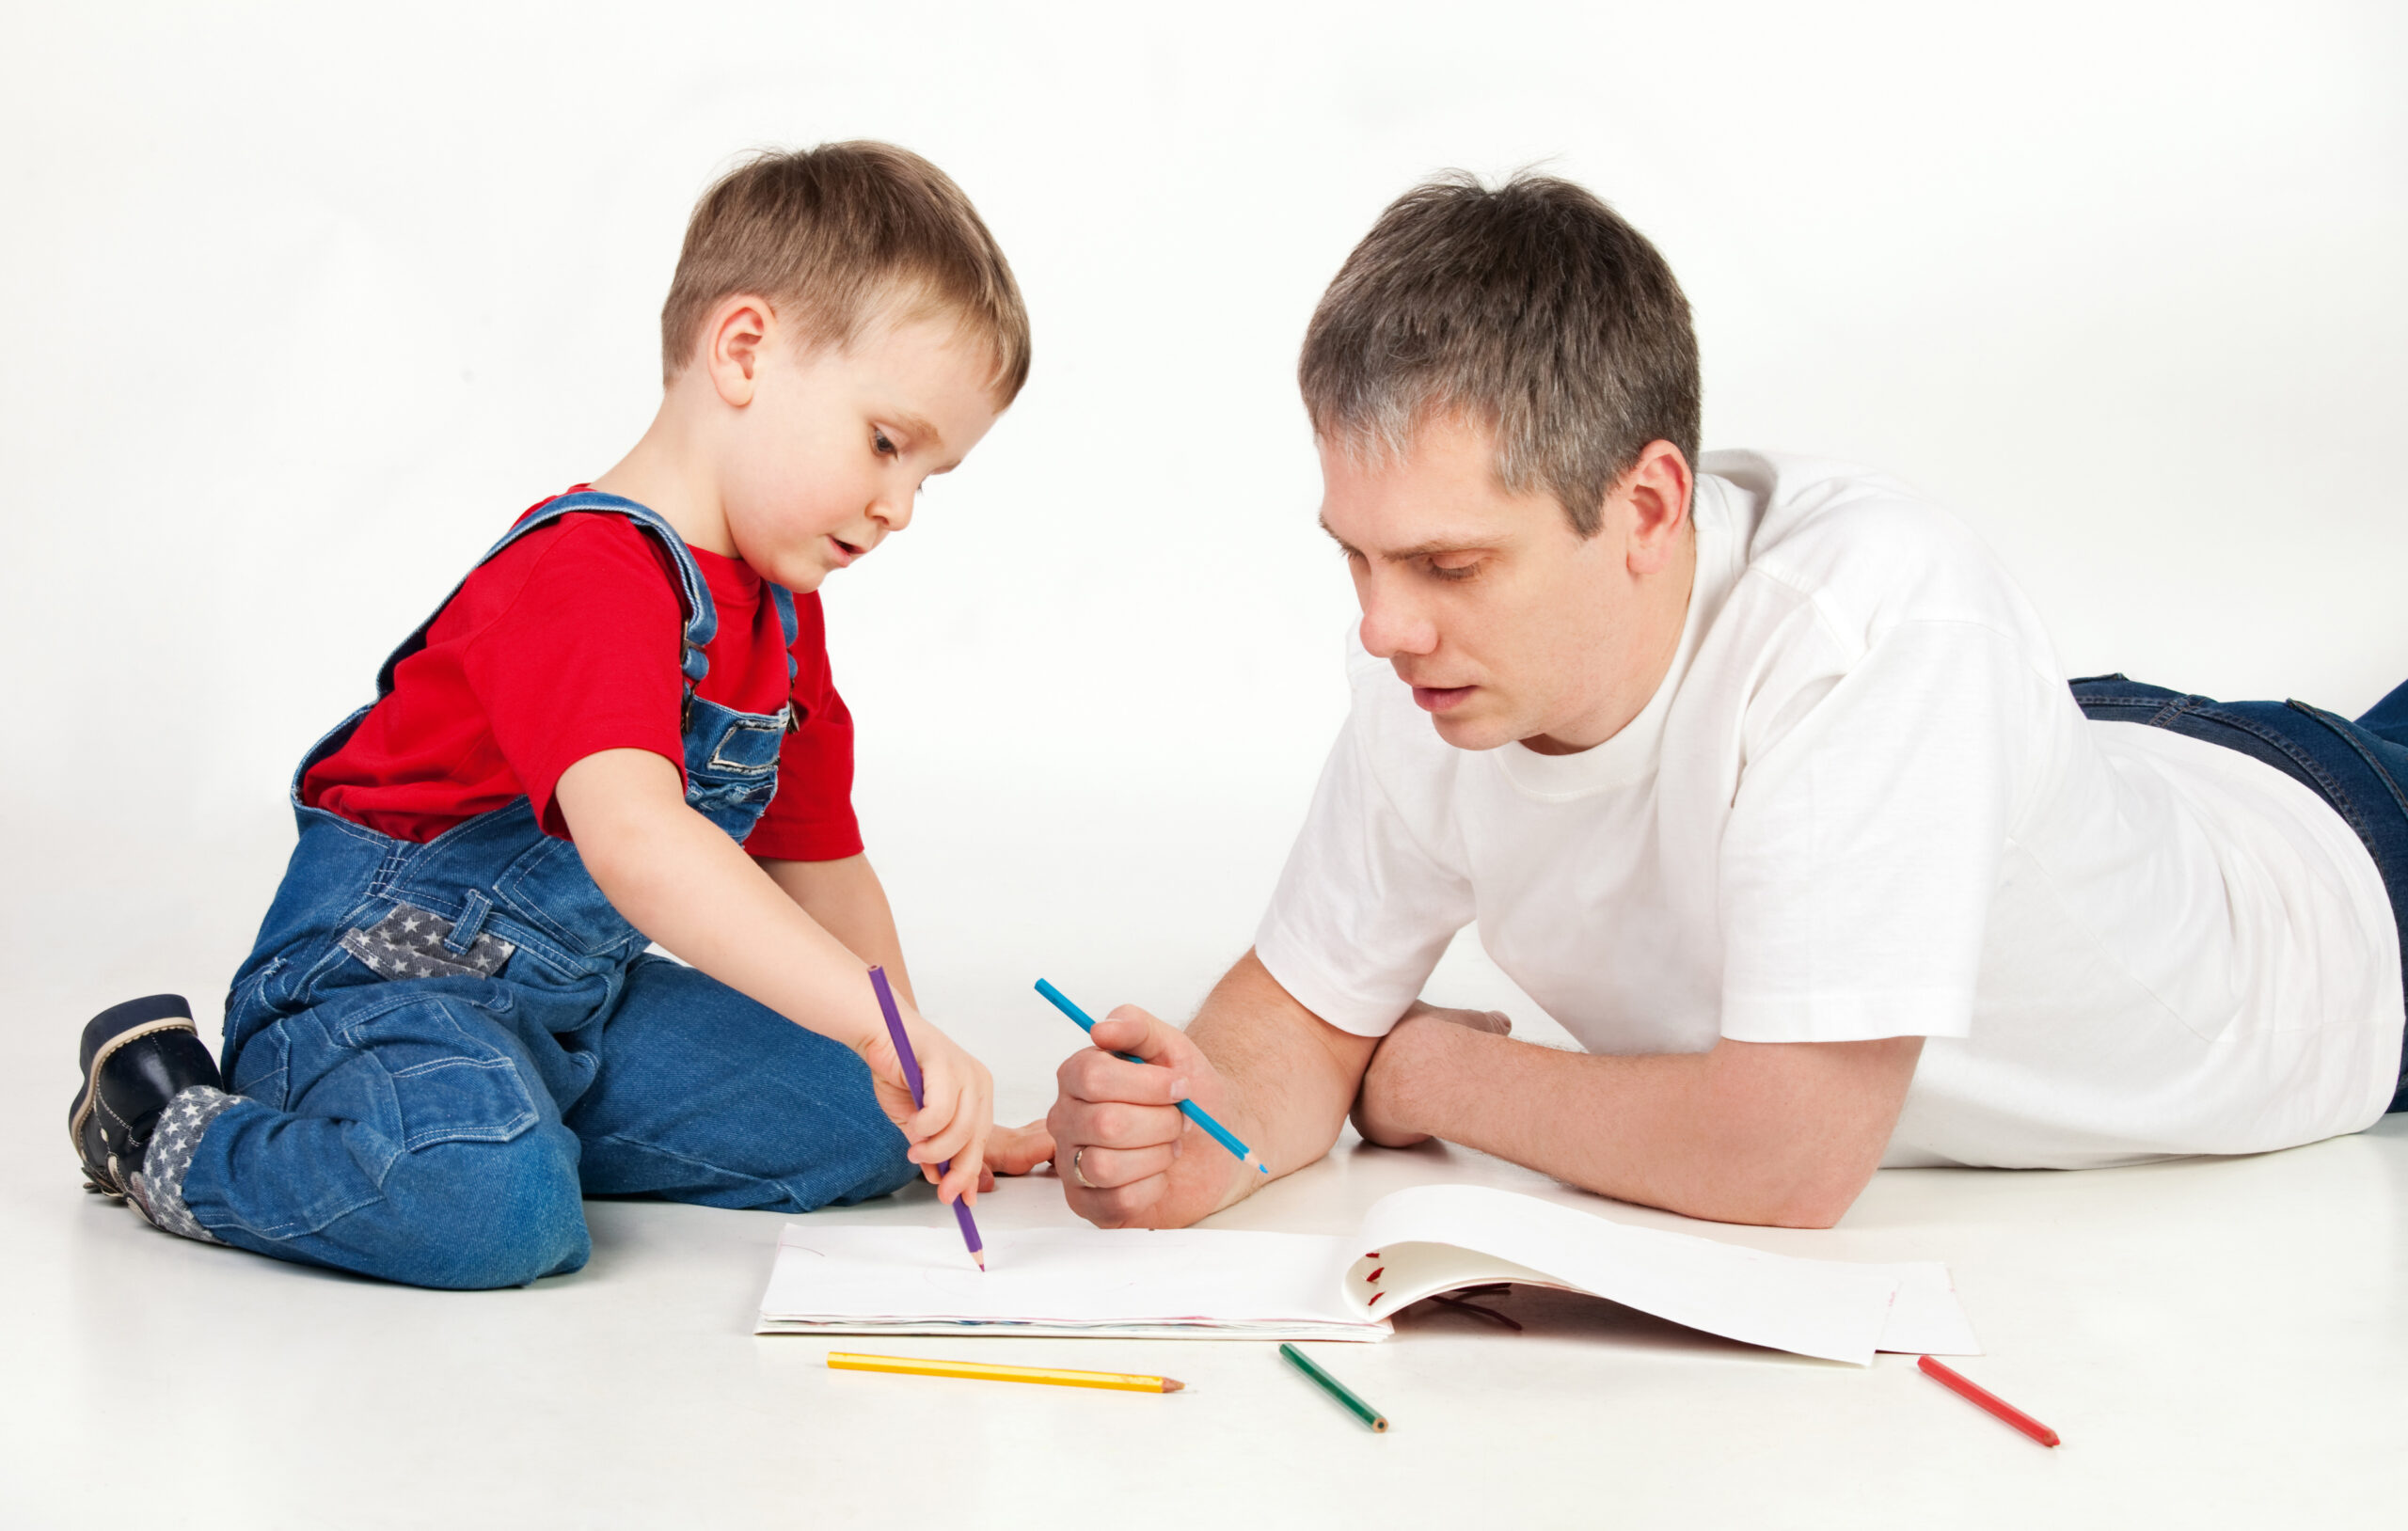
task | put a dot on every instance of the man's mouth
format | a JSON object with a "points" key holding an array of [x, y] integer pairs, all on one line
{"points": [[1441, 698]]}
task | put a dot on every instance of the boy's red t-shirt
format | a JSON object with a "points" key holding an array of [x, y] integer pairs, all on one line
{"points": [[567, 642]]}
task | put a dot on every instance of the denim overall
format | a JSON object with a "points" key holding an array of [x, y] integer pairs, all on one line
{"points": [[441, 1048]]}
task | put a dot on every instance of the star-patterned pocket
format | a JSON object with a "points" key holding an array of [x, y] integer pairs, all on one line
{"points": [[412, 943]]}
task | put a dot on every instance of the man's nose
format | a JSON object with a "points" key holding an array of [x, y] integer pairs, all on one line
{"points": [[1392, 626]]}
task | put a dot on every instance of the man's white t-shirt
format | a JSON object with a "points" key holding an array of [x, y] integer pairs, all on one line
{"points": [[1863, 804]]}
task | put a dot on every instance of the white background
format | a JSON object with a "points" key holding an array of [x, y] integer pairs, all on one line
{"points": [[299, 306]]}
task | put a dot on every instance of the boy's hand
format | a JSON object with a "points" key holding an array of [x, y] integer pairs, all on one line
{"points": [[1016, 1150], [958, 1113]]}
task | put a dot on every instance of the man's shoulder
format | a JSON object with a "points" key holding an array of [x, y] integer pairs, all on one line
{"points": [[1868, 551]]}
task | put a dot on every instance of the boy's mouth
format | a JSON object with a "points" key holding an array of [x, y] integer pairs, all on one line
{"points": [[846, 552]]}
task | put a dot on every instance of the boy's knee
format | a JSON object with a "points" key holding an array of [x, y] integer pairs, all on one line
{"points": [[494, 1214], [886, 1174]]}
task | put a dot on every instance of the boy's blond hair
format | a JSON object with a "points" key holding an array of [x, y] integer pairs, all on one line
{"points": [[833, 236]]}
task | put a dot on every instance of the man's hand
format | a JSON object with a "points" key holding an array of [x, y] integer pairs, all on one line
{"points": [[1376, 1106], [1122, 1143], [1267, 1069]]}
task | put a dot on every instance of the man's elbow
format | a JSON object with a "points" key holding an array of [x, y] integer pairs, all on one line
{"points": [[1817, 1209], [1813, 1196], [1782, 1194]]}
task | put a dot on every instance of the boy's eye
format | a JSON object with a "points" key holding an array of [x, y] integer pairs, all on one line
{"points": [[879, 443]]}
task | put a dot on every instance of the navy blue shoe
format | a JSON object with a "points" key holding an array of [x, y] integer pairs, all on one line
{"points": [[136, 1058]]}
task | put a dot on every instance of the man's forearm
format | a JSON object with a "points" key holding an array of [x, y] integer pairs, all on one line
{"points": [[1784, 1135], [1291, 1076]]}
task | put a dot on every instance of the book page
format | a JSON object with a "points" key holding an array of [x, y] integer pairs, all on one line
{"points": [[1422, 1240]]}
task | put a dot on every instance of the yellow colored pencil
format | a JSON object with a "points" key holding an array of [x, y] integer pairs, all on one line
{"points": [[983, 1372]]}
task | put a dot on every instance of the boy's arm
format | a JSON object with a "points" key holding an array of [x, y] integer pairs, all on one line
{"points": [[1785, 1133], [1265, 1067], [679, 879], [845, 898]]}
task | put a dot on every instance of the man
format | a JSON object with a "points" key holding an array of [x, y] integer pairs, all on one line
{"points": [[1762, 778]]}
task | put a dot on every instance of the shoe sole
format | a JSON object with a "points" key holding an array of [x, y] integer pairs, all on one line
{"points": [[105, 1180]]}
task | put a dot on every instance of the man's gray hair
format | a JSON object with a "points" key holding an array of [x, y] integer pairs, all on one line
{"points": [[1530, 308]]}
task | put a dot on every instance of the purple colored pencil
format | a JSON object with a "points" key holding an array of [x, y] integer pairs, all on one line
{"points": [[919, 1098]]}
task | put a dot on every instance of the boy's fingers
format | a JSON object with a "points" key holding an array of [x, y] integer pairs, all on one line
{"points": [[961, 1183], [924, 1124], [951, 1140]]}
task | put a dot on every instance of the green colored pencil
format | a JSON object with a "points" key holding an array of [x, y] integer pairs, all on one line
{"points": [[1336, 1389]]}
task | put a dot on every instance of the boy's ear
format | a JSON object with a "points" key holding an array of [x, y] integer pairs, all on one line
{"points": [[733, 340]]}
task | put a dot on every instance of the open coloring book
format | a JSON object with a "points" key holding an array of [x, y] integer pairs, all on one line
{"points": [[1223, 1283]]}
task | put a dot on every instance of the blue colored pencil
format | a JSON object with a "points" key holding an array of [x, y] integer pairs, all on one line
{"points": [[1194, 1113], [919, 1098]]}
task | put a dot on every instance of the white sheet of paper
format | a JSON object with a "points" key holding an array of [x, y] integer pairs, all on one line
{"points": [[1196, 1282]]}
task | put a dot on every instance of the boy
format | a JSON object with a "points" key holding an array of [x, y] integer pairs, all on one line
{"points": [[1760, 776], [619, 728]]}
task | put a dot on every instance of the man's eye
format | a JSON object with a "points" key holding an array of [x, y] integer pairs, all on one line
{"points": [[1456, 571]]}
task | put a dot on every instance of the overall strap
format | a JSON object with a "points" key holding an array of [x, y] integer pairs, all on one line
{"points": [[702, 617], [783, 599]]}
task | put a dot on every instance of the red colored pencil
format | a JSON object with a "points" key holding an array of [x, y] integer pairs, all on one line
{"points": [[1988, 1399]]}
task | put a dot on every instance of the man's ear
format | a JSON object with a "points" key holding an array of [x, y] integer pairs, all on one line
{"points": [[733, 340], [1658, 486]]}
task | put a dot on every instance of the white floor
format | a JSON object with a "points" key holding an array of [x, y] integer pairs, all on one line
{"points": [[2220, 1343]]}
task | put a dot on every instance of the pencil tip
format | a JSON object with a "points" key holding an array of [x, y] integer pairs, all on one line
{"points": [[981, 1257], [1172, 1385]]}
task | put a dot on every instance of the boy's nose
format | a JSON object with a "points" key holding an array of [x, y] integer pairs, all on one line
{"points": [[892, 512]]}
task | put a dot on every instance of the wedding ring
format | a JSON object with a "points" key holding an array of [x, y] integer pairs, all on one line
{"points": [[1080, 1175]]}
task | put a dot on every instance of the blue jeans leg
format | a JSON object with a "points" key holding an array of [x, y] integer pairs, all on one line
{"points": [[2388, 718], [706, 1095], [395, 1131]]}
